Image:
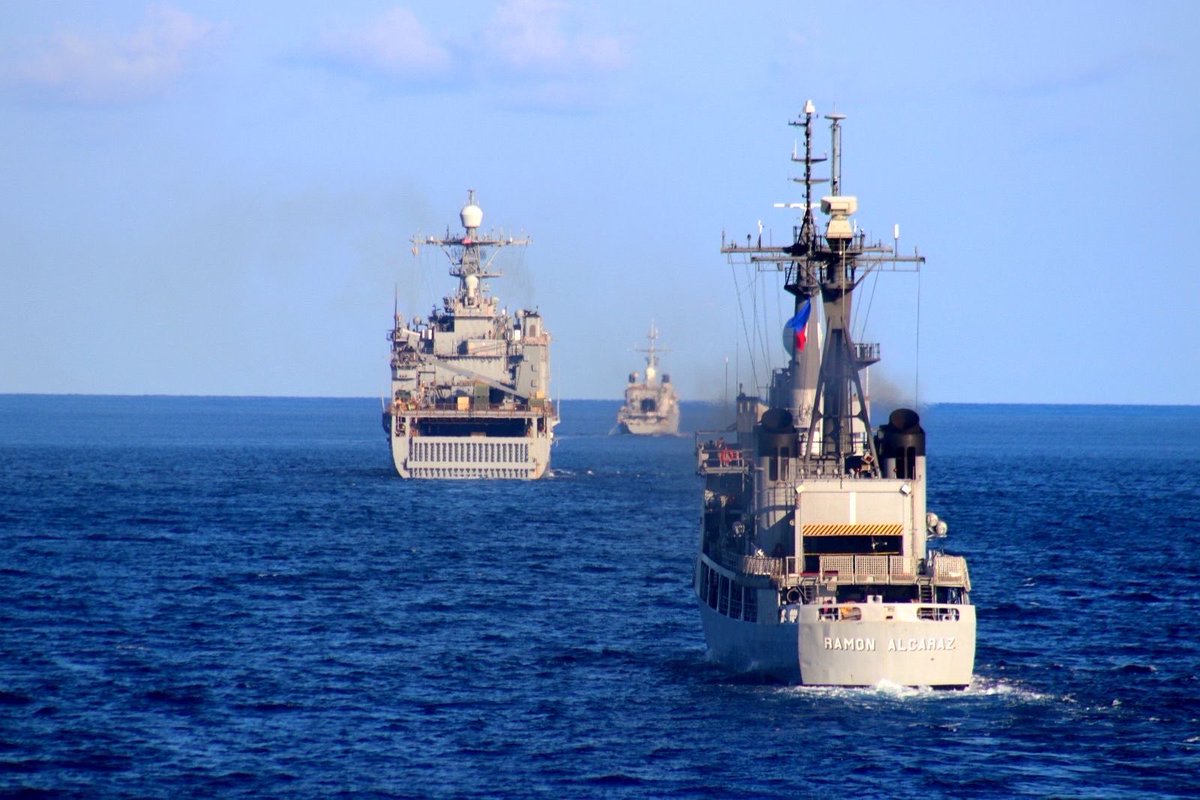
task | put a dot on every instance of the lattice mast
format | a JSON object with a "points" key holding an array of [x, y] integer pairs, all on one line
{"points": [[470, 259], [829, 266]]}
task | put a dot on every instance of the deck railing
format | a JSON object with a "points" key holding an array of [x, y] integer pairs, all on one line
{"points": [[951, 571], [714, 455], [885, 569]]}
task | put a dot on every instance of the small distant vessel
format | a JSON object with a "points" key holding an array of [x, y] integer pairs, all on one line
{"points": [[814, 563], [651, 405], [470, 383]]}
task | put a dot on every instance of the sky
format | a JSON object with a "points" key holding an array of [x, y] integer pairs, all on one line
{"points": [[217, 197]]}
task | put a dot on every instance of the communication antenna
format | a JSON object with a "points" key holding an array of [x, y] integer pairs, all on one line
{"points": [[725, 394], [806, 238], [835, 170]]}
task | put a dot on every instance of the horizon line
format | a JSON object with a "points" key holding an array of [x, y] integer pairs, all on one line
{"points": [[165, 395]]}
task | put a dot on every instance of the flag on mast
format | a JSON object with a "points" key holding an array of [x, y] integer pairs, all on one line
{"points": [[798, 325]]}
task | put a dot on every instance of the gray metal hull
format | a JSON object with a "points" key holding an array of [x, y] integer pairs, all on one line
{"points": [[650, 425], [888, 644], [474, 457], [470, 392], [814, 561]]}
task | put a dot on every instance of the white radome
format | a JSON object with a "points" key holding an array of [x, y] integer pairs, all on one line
{"points": [[472, 216]]}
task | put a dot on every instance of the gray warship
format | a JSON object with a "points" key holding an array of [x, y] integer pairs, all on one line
{"points": [[651, 406], [471, 383], [816, 562]]}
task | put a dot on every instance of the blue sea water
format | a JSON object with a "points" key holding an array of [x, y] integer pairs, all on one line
{"points": [[236, 597]]}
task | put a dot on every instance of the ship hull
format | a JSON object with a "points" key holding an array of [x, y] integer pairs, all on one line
{"points": [[814, 563], [470, 457], [470, 392], [649, 409], [874, 649], [650, 426]]}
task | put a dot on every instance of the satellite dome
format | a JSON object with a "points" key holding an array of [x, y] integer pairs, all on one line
{"points": [[471, 215]]}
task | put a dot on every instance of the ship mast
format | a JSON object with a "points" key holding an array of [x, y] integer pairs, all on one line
{"points": [[651, 351], [829, 266], [470, 260]]}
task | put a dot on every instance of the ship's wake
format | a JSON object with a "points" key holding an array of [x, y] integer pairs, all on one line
{"points": [[981, 687]]}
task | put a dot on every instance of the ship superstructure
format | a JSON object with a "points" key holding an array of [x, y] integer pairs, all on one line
{"points": [[471, 382], [815, 563], [651, 406]]}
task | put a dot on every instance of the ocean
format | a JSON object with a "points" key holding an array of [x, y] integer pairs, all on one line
{"points": [[237, 597]]}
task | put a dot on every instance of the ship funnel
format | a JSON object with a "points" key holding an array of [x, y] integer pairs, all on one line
{"points": [[901, 441], [776, 433]]}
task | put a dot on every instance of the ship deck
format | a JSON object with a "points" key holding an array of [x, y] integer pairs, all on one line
{"points": [[450, 411]]}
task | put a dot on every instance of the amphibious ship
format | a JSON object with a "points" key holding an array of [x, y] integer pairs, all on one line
{"points": [[470, 383], [815, 563], [651, 407]]}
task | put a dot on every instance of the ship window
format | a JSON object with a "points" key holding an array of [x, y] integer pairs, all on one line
{"points": [[735, 601], [783, 463], [703, 588], [750, 605], [773, 468], [712, 588], [723, 598]]}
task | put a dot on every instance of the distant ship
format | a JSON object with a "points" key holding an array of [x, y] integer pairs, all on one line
{"points": [[471, 383], [814, 563], [651, 407]]}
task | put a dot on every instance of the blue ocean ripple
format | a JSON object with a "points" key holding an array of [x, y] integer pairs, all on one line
{"points": [[235, 597]]}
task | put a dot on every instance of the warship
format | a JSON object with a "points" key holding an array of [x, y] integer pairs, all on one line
{"points": [[817, 562], [651, 407], [471, 383]]}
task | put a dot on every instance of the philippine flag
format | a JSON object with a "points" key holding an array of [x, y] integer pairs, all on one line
{"points": [[798, 325]]}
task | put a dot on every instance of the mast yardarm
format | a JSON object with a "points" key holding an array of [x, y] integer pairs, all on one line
{"points": [[827, 267]]}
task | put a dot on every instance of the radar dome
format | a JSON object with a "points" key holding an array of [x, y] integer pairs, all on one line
{"points": [[472, 216]]}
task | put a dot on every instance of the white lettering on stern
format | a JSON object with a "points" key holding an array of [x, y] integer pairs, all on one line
{"points": [[895, 645], [914, 644], [858, 644]]}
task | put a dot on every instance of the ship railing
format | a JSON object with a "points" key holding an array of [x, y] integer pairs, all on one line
{"points": [[902, 569], [869, 568], [786, 570], [764, 565], [730, 555], [490, 410], [836, 568], [938, 613], [843, 613], [866, 352], [714, 456], [789, 570], [951, 571]]}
